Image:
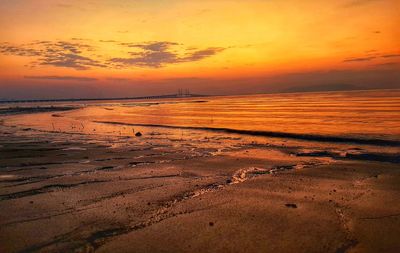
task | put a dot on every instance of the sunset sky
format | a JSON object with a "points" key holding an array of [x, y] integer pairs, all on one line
{"points": [[118, 48]]}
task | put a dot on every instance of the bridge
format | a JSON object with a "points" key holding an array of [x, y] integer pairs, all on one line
{"points": [[180, 94]]}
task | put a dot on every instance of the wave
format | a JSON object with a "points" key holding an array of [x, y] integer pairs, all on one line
{"points": [[297, 136]]}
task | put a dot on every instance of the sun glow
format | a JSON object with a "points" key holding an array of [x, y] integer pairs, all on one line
{"points": [[220, 40]]}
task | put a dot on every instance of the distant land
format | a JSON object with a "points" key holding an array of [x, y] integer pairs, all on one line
{"points": [[295, 89], [95, 99]]}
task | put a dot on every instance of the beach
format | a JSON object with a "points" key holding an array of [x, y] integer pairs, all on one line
{"points": [[291, 178]]}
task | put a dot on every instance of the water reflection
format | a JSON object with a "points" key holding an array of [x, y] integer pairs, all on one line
{"points": [[359, 115]]}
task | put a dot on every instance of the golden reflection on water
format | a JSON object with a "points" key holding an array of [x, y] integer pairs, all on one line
{"points": [[337, 113], [363, 114]]}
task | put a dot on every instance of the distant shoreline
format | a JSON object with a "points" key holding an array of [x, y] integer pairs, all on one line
{"points": [[177, 96], [99, 99], [27, 110]]}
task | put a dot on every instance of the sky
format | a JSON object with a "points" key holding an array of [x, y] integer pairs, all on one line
{"points": [[122, 48]]}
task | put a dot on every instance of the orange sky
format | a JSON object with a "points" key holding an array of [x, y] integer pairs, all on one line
{"points": [[54, 48]]}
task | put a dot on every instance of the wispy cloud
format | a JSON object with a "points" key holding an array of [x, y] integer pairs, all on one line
{"points": [[8, 49], [79, 55], [370, 55], [203, 53], [54, 53], [63, 78], [359, 59], [388, 64], [390, 55], [161, 53], [108, 41]]}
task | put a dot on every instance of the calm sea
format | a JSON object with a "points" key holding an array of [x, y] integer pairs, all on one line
{"points": [[357, 116]]}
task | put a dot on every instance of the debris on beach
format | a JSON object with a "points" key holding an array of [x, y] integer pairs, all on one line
{"points": [[138, 134], [291, 205]]}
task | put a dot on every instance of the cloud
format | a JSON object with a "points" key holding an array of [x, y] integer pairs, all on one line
{"points": [[161, 53], [70, 60], [390, 55], [388, 64], [359, 59], [62, 78], [108, 41], [54, 53], [371, 55], [8, 49], [201, 54], [78, 55], [154, 46]]}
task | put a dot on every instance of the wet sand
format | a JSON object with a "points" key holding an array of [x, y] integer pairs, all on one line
{"points": [[74, 192]]}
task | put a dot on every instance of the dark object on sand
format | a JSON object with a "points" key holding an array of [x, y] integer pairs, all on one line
{"points": [[138, 134], [211, 223], [291, 205]]}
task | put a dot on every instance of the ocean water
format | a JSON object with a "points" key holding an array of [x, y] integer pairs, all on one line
{"points": [[360, 125], [365, 117], [356, 114]]}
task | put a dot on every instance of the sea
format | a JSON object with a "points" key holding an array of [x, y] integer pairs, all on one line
{"points": [[349, 120]]}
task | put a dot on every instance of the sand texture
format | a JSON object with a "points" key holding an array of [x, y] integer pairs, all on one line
{"points": [[64, 192]]}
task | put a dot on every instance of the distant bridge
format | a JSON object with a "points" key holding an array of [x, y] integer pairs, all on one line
{"points": [[179, 95]]}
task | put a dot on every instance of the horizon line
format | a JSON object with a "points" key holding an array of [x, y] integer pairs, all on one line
{"points": [[176, 95]]}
